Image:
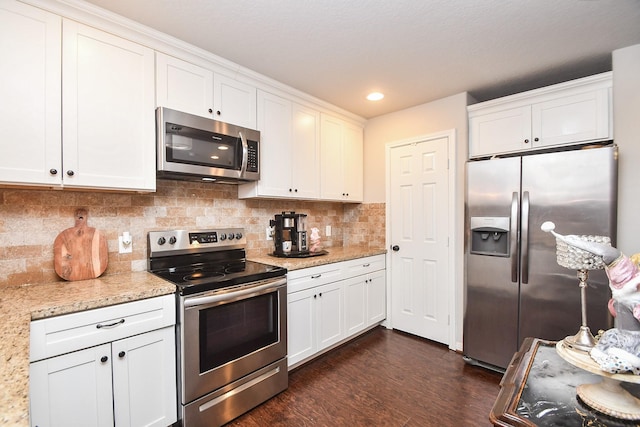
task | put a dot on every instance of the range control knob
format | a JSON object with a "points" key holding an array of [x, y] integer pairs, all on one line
{"points": [[223, 236], [231, 236], [238, 236], [162, 241], [172, 240]]}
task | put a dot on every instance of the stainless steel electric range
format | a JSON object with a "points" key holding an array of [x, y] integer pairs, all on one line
{"points": [[232, 322]]}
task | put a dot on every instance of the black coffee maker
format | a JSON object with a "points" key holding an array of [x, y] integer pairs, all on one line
{"points": [[290, 235]]}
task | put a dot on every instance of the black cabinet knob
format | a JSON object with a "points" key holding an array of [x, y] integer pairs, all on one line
{"points": [[218, 112], [395, 248], [104, 359], [121, 354], [210, 111], [70, 172], [53, 171], [536, 139]]}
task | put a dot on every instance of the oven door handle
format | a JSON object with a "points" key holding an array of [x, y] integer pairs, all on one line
{"points": [[261, 288]]}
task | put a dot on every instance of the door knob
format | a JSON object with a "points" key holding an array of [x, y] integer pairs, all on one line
{"points": [[395, 248]]}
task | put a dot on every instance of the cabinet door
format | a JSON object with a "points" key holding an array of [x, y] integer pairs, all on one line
{"points": [[30, 90], [329, 314], [274, 124], [353, 162], [571, 119], [108, 111], [144, 379], [305, 148], [331, 169], [500, 132], [301, 325], [183, 86], [72, 390], [234, 101], [376, 297], [355, 305]]}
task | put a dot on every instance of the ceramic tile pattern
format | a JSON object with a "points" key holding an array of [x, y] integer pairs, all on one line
{"points": [[30, 220]]}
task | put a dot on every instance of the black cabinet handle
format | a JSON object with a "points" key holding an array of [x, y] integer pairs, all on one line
{"points": [[121, 354], [536, 139], [395, 248], [104, 359], [70, 172], [526, 141], [210, 111], [53, 171]]}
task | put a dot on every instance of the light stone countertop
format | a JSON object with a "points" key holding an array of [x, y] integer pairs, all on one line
{"points": [[336, 254], [20, 305]]}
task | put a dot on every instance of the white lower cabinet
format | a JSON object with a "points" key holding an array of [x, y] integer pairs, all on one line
{"points": [[332, 303], [126, 382], [366, 298], [314, 320]]}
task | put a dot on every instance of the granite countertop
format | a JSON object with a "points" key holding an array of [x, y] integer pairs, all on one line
{"points": [[19, 305], [336, 254]]}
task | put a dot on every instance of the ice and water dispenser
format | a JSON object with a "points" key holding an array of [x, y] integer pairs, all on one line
{"points": [[489, 235]]}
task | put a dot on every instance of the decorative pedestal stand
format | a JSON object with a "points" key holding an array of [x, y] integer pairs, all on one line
{"points": [[606, 396], [583, 340]]}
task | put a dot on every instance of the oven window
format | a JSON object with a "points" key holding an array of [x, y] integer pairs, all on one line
{"points": [[230, 331]]}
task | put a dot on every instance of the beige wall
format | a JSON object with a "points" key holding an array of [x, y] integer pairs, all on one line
{"points": [[437, 116], [626, 119], [31, 219]]}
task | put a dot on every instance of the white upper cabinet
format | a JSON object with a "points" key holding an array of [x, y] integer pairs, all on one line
{"points": [[183, 86], [341, 160], [30, 90], [186, 87], [234, 101], [289, 144], [81, 109], [108, 111], [574, 112]]}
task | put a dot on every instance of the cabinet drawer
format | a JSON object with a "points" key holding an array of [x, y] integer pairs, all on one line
{"points": [[359, 266], [70, 332], [298, 280]]}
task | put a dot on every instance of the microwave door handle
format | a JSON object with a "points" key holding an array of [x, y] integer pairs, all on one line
{"points": [[245, 154]]}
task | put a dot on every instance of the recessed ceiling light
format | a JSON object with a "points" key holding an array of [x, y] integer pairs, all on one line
{"points": [[375, 96]]}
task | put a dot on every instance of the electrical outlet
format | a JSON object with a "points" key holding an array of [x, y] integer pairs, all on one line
{"points": [[327, 231], [269, 233], [125, 243]]}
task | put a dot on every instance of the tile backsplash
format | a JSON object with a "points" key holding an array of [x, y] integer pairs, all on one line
{"points": [[30, 220]]}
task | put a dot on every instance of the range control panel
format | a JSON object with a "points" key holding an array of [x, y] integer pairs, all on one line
{"points": [[163, 243]]}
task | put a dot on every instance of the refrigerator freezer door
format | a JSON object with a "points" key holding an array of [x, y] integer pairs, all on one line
{"points": [[577, 191], [491, 306]]}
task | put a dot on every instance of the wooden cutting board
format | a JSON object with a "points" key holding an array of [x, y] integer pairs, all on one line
{"points": [[80, 252]]}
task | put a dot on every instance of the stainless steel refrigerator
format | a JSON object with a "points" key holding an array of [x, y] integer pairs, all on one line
{"points": [[514, 286]]}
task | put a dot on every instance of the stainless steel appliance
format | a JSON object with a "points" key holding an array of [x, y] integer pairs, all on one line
{"points": [[232, 322], [514, 286], [290, 235], [197, 148]]}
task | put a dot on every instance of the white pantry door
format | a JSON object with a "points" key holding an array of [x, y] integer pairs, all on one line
{"points": [[419, 222]]}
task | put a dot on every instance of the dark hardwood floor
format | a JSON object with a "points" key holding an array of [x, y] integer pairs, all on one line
{"points": [[383, 378]]}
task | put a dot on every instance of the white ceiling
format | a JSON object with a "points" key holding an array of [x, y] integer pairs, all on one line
{"points": [[415, 51]]}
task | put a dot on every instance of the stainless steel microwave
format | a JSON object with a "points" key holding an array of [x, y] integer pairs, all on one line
{"points": [[196, 148]]}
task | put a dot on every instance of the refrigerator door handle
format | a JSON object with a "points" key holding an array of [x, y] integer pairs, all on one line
{"points": [[524, 238], [513, 232]]}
